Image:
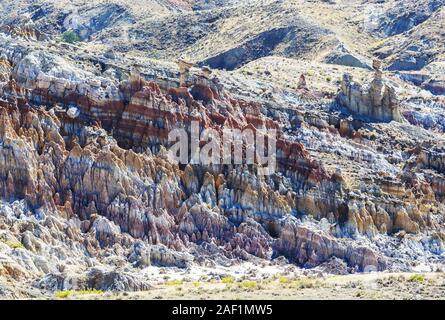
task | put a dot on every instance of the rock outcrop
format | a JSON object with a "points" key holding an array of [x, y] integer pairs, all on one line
{"points": [[376, 100], [89, 196]]}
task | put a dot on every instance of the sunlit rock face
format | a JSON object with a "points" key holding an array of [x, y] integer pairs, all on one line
{"points": [[376, 100], [87, 189]]}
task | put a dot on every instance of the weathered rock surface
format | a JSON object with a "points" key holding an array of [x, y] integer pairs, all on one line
{"points": [[377, 100], [88, 196]]}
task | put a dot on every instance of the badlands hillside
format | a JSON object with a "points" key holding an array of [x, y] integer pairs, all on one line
{"points": [[90, 90]]}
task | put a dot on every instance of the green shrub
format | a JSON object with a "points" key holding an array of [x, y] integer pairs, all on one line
{"points": [[176, 282], [15, 245], [249, 284], [284, 280], [228, 280], [70, 37], [417, 278]]}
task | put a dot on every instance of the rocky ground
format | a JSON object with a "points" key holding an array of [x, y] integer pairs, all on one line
{"points": [[273, 283], [90, 200]]}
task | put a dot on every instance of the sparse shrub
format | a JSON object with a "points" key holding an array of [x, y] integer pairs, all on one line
{"points": [[228, 280], [306, 283], [67, 293], [70, 37], [89, 291], [175, 282], [248, 284], [417, 278], [284, 280], [62, 294], [401, 279], [15, 245]]}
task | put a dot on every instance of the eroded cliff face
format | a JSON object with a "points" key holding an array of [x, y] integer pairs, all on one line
{"points": [[83, 167], [376, 100]]}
